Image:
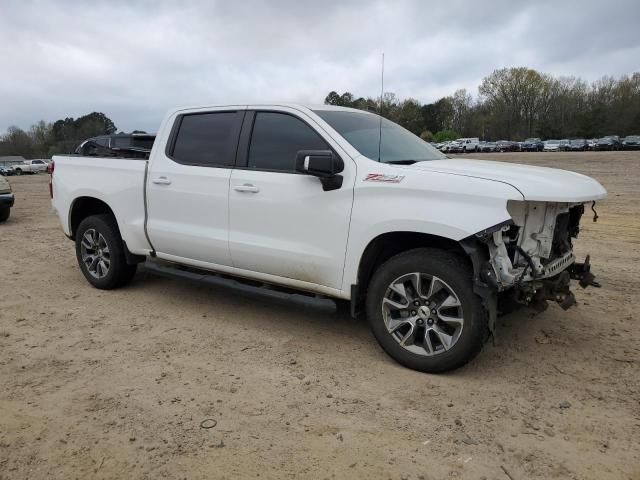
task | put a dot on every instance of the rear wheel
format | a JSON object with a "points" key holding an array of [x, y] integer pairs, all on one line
{"points": [[100, 253], [422, 309], [18, 171], [4, 214]]}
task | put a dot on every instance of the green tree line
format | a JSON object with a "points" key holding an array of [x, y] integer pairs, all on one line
{"points": [[44, 139], [516, 103]]}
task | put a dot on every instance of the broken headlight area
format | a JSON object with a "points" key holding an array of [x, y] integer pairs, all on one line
{"points": [[530, 258]]}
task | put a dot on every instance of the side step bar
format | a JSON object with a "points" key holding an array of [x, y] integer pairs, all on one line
{"points": [[239, 285]]}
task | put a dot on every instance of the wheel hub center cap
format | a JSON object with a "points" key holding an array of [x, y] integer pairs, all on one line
{"points": [[423, 312]]}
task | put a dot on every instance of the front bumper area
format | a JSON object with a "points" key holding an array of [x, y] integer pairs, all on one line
{"points": [[538, 292], [6, 200]]}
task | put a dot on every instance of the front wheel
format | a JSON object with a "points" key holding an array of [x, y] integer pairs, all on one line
{"points": [[423, 312], [18, 171], [100, 253]]}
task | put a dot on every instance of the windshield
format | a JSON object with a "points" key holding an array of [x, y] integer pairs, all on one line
{"points": [[362, 131], [553, 142], [578, 141]]}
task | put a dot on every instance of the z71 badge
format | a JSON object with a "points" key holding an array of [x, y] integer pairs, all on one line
{"points": [[380, 177]]}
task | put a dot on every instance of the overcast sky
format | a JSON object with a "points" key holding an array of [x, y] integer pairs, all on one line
{"points": [[134, 60]]}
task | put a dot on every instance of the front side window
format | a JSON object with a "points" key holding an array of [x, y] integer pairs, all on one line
{"points": [[377, 139], [207, 139], [276, 140]]}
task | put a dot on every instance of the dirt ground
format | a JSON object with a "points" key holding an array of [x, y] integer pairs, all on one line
{"points": [[98, 384]]}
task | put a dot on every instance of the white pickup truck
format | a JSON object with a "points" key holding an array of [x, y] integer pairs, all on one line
{"points": [[30, 166], [339, 203]]}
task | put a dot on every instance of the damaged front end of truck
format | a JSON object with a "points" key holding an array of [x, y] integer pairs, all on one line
{"points": [[529, 260]]}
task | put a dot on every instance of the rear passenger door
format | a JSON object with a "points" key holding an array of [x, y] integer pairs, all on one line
{"points": [[188, 187], [283, 223]]}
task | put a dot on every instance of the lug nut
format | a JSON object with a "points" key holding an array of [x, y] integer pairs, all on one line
{"points": [[434, 311], [413, 312], [420, 321], [430, 322]]}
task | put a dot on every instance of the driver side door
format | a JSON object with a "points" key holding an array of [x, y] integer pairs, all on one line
{"points": [[281, 222]]}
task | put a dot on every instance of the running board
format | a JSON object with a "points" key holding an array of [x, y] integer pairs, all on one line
{"points": [[239, 285]]}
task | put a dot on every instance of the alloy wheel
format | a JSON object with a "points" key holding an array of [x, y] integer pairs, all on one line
{"points": [[422, 313], [95, 253]]}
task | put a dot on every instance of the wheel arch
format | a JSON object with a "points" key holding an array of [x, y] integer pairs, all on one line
{"points": [[86, 206], [386, 245]]}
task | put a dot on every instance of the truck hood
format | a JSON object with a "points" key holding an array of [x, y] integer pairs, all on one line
{"points": [[534, 183]]}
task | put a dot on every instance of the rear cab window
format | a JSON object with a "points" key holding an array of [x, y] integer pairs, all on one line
{"points": [[207, 139]]}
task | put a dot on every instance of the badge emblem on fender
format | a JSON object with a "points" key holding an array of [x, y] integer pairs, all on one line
{"points": [[381, 177]]}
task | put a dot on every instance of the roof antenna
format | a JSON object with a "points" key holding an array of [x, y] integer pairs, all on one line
{"points": [[380, 112]]}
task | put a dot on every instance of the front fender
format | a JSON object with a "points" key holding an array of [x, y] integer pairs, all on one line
{"points": [[449, 206]]}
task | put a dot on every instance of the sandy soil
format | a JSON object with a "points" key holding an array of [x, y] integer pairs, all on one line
{"points": [[116, 384]]}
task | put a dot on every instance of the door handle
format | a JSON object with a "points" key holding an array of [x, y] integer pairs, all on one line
{"points": [[247, 187], [161, 181]]}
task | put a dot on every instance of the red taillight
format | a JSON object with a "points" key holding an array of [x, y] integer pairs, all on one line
{"points": [[50, 169]]}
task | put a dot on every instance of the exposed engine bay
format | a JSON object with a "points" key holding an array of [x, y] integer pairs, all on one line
{"points": [[531, 259]]}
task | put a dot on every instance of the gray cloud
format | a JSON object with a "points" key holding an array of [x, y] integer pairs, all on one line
{"points": [[134, 60]]}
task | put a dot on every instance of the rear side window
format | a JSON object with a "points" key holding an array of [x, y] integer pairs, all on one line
{"points": [[207, 139], [276, 140]]}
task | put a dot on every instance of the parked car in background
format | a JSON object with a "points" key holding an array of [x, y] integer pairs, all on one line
{"points": [[30, 166], [611, 142], [8, 164], [551, 146], [564, 145], [6, 171], [6, 199], [532, 145], [488, 147], [591, 144], [507, 146], [631, 142], [469, 144], [577, 144], [452, 147], [7, 160]]}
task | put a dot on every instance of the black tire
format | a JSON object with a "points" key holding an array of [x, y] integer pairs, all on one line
{"points": [[119, 272], [18, 171], [455, 272], [4, 214]]}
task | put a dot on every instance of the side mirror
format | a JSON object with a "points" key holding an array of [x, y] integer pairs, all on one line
{"points": [[322, 164], [319, 163]]}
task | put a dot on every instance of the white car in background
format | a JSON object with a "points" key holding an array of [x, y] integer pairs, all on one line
{"points": [[551, 146], [30, 166], [469, 144]]}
